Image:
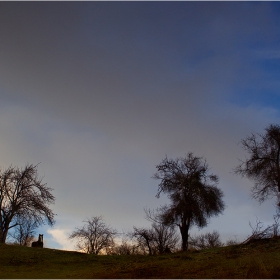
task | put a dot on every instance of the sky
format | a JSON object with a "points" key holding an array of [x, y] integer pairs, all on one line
{"points": [[98, 93]]}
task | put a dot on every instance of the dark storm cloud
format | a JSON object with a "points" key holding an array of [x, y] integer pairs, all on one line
{"points": [[106, 55]]}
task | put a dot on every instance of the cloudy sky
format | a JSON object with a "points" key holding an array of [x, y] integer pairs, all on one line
{"points": [[99, 93]]}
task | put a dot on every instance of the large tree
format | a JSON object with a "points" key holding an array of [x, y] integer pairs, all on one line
{"points": [[94, 236], [193, 193], [263, 164], [23, 196]]}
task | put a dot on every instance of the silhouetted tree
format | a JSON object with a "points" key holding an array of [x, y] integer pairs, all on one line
{"points": [[158, 239], [165, 235], [165, 238], [231, 242], [127, 247], [23, 196], [144, 238], [193, 193], [24, 232], [259, 232], [263, 164], [94, 236], [206, 241]]}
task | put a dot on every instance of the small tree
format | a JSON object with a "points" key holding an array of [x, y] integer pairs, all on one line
{"points": [[94, 236], [193, 193], [206, 241], [259, 232], [23, 196], [232, 242], [263, 164], [23, 234], [125, 248], [158, 239], [144, 238], [165, 238]]}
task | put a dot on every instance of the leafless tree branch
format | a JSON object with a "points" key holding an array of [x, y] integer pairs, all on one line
{"points": [[23, 196], [263, 164], [94, 236]]}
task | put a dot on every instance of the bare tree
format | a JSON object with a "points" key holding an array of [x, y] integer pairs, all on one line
{"points": [[206, 241], [165, 238], [24, 233], [263, 164], [259, 232], [23, 196], [125, 248], [158, 239], [193, 193], [144, 238], [94, 236], [231, 242]]}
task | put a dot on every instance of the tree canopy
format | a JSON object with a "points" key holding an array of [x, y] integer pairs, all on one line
{"points": [[263, 164]]}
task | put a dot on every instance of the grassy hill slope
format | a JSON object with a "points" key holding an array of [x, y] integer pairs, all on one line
{"points": [[257, 260]]}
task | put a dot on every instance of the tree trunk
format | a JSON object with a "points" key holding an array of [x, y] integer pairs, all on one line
{"points": [[150, 250], [5, 228], [3, 236], [184, 230]]}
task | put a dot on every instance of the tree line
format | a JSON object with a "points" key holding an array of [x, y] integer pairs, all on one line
{"points": [[192, 190]]}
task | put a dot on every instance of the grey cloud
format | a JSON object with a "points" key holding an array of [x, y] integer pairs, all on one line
{"points": [[100, 92]]}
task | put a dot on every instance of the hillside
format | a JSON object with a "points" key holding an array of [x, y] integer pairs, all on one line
{"points": [[257, 260]]}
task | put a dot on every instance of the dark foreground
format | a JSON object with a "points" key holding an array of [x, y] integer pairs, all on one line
{"points": [[257, 260]]}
